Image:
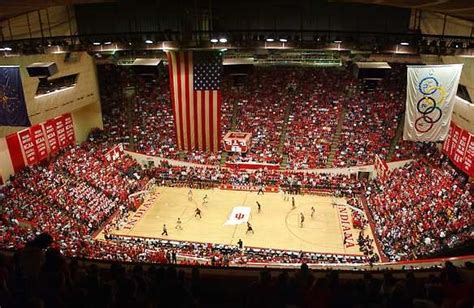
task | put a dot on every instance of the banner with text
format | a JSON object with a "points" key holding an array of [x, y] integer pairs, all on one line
{"points": [[29, 146], [459, 147]]}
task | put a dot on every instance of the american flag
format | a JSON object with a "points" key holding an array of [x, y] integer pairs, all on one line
{"points": [[195, 81]]}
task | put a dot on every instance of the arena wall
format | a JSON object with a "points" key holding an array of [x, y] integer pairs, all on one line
{"points": [[82, 100], [146, 159], [467, 75], [463, 114]]}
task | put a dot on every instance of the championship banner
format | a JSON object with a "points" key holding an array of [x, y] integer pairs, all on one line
{"points": [[69, 129], [431, 90], [51, 136], [12, 100], [39, 141], [239, 215], [459, 147], [34, 144], [28, 147], [60, 131]]}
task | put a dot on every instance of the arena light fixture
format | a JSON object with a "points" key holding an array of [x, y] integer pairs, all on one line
{"points": [[108, 43], [96, 43], [283, 40], [7, 49], [223, 40], [148, 41], [338, 41], [404, 43], [214, 40], [269, 39]]}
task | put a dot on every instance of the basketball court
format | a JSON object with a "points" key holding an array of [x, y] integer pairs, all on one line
{"points": [[277, 226]]}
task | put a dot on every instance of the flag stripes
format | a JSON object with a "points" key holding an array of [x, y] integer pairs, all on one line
{"points": [[196, 112]]}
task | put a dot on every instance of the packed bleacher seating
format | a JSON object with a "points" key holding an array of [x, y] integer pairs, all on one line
{"points": [[314, 117], [301, 104], [203, 177], [371, 121], [422, 208], [263, 103], [144, 122]]}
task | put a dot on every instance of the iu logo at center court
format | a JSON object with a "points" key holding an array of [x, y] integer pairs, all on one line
{"points": [[239, 216]]}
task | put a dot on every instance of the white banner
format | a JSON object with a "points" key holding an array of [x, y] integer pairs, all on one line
{"points": [[239, 215], [431, 90]]}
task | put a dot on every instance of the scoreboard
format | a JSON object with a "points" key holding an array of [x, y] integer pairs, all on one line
{"points": [[237, 142]]}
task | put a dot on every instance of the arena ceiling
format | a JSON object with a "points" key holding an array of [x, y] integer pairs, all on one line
{"points": [[458, 8], [12, 8]]}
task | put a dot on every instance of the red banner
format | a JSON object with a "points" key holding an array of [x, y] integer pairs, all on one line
{"points": [[39, 141], [252, 165], [69, 128], [381, 168], [51, 136], [469, 157], [115, 153], [60, 131], [26, 142], [14, 148], [459, 146], [34, 144]]}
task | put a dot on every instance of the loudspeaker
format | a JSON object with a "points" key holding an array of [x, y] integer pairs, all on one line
{"points": [[42, 69]]}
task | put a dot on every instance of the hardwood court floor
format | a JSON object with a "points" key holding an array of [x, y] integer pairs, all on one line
{"points": [[276, 226]]}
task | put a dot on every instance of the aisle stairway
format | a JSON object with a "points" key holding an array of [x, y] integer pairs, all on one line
{"points": [[233, 125], [396, 138], [128, 95], [336, 139], [281, 145]]}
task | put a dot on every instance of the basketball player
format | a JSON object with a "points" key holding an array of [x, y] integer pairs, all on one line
{"points": [[260, 190], [197, 212], [258, 207], [178, 224], [190, 195], [204, 200], [249, 228], [301, 220], [165, 231], [293, 206], [312, 211]]}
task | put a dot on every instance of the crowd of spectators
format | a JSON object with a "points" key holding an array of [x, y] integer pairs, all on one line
{"points": [[263, 103], [144, 121], [371, 121], [423, 207], [41, 276], [204, 177], [314, 117], [311, 98], [76, 192]]}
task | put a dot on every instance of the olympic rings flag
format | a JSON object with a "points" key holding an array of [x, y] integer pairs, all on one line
{"points": [[431, 90]]}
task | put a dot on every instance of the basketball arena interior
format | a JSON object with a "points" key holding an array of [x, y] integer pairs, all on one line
{"points": [[286, 153]]}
